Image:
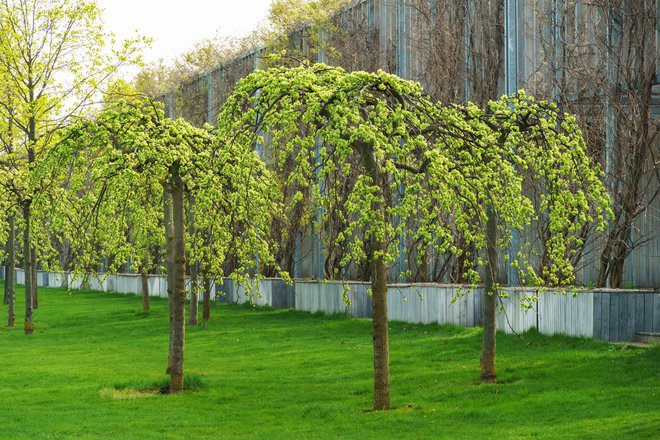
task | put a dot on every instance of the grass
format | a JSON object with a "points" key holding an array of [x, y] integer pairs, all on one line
{"points": [[95, 363]]}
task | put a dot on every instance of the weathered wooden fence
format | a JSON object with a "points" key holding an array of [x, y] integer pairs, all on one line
{"points": [[610, 315]]}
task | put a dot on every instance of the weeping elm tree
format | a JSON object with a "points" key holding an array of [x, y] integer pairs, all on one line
{"points": [[326, 118], [479, 172], [132, 147], [418, 162]]}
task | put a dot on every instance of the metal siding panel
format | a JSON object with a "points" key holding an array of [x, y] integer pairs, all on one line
{"points": [[541, 312], [613, 317], [429, 304], [551, 314], [454, 310], [648, 312], [478, 308], [639, 312], [365, 301], [605, 316], [656, 313], [571, 315], [630, 318], [469, 306], [435, 303], [587, 317], [463, 306], [578, 314]]}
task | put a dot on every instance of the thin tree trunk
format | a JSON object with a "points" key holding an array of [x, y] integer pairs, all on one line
{"points": [[206, 301], [35, 284], [27, 267], [194, 295], [194, 267], [488, 348], [10, 245], [178, 290], [144, 281], [169, 266], [30, 287], [10, 275]]}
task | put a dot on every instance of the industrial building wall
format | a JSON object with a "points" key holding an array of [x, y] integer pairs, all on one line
{"points": [[475, 50]]}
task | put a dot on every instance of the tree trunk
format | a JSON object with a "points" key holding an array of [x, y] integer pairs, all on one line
{"points": [[206, 301], [144, 281], [30, 286], [378, 266], [488, 348], [620, 251], [194, 295], [178, 288], [35, 284], [380, 329], [10, 273], [194, 267], [27, 267], [614, 254], [169, 265]]}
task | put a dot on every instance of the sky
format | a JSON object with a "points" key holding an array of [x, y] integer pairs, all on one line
{"points": [[176, 25]]}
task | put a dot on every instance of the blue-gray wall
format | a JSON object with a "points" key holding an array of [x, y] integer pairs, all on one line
{"points": [[611, 315]]}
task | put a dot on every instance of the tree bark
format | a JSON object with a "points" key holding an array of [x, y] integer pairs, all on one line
{"points": [[178, 288], [169, 265], [34, 274], [27, 268], [194, 295], [378, 251], [194, 267], [27, 214], [488, 348], [10, 275], [144, 281], [206, 301], [380, 328]]}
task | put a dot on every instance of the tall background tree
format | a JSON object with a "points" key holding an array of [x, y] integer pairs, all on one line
{"points": [[599, 62], [54, 57]]}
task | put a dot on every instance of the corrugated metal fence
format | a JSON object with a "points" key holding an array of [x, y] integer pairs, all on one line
{"points": [[610, 315]]}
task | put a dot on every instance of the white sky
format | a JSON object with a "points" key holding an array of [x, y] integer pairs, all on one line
{"points": [[176, 25]]}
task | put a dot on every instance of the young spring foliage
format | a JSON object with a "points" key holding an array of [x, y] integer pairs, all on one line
{"points": [[442, 162], [489, 158], [420, 163], [115, 169]]}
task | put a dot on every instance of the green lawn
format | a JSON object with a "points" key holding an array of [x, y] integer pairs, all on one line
{"points": [[285, 374]]}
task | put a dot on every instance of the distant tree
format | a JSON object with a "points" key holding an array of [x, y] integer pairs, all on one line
{"points": [[54, 57], [299, 30], [599, 63]]}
